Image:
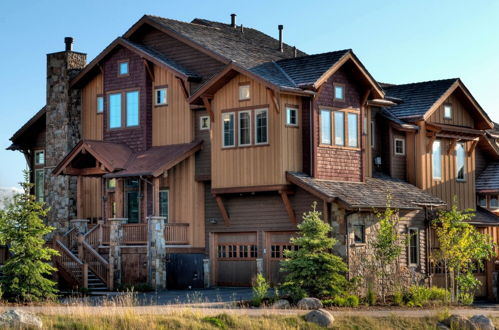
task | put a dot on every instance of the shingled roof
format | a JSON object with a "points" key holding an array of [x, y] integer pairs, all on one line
{"points": [[417, 98], [371, 193], [488, 179], [484, 217]]}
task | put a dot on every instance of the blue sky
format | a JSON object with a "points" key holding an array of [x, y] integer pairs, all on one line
{"points": [[398, 42]]}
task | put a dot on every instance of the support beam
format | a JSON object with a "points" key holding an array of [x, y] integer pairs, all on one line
{"points": [[288, 206], [207, 105], [222, 209], [472, 147], [184, 87], [148, 68], [452, 146], [430, 141], [84, 171], [274, 99]]}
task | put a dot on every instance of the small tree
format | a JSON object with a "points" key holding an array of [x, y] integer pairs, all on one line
{"points": [[313, 269], [22, 229], [462, 250], [387, 246]]}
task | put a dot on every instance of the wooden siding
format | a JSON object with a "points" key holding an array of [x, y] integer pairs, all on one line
{"points": [[203, 157], [92, 198], [92, 122], [255, 165], [460, 116], [171, 123], [398, 162]]}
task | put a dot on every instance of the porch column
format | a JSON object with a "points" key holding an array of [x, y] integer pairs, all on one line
{"points": [[156, 252], [80, 224], [116, 237]]}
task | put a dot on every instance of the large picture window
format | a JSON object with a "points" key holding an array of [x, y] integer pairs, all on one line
{"points": [[460, 162], [228, 129], [436, 160], [339, 128], [115, 110], [261, 126], [124, 109]]}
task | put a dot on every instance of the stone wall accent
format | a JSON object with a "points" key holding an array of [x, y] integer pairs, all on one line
{"points": [[80, 224], [62, 133], [116, 237], [156, 252]]}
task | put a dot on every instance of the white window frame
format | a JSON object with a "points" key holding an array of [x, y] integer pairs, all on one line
{"points": [[258, 111], [433, 160], [201, 120], [225, 114], [165, 101], [239, 135], [241, 98], [288, 116], [395, 146], [451, 110], [464, 164], [409, 255], [39, 152]]}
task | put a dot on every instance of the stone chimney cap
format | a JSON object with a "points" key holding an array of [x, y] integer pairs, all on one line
{"points": [[69, 43]]}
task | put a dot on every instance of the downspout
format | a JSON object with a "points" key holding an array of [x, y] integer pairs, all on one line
{"points": [[312, 139]]}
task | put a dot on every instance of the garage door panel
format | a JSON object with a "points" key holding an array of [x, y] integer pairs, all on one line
{"points": [[277, 242], [236, 273]]}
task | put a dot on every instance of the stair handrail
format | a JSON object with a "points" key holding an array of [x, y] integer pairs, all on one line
{"points": [[105, 277], [87, 236], [69, 238], [84, 268]]}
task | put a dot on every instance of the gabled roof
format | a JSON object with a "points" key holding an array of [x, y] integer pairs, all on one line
{"points": [[488, 180], [369, 194], [18, 135], [484, 217]]}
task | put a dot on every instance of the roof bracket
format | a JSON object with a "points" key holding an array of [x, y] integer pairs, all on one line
{"points": [[148, 68], [452, 146], [472, 147], [207, 105], [274, 99], [184, 87], [222, 209], [430, 141], [288, 206]]}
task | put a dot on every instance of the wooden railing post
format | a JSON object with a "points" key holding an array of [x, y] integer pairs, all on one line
{"points": [[100, 223], [84, 269], [80, 247]]}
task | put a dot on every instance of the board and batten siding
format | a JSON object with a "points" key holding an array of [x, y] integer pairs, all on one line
{"points": [[92, 198], [255, 165], [92, 121], [460, 116], [171, 123]]}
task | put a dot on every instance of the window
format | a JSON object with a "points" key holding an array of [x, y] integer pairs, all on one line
{"points": [[359, 234], [482, 201], [494, 203], [373, 136], [261, 126], [236, 250], [413, 246], [204, 122], [339, 92], [291, 117], [39, 185], [40, 157], [244, 128], [111, 184], [353, 130], [399, 147], [325, 127], [132, 200], [100, 104], [123, 68], [115, 110], [460, 161], [132, 108], [161, 96], [448, 111], [436, 160], [163, 203], [339, 128], [228, 129], [244, 92]]}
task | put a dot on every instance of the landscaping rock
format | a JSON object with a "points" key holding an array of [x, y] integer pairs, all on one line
{"points": [[459, 322], [310, 303], [482, 322], [281, 304], [321, 317], [15, 318], [441, 326]]}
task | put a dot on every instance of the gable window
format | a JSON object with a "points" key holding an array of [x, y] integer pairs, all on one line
{"points": [[494, 202], [40, 185], [115, 110], [339, 92], [339, 128], [460, 161], [413, 246], [291, 117], [482, 201], [244, 92], [353, 131], [436, 160], [160, 96], [100, 104], [399, 147], [244, 128], [132, 108], [261, 126], [447, 111], [228, 129], [163, 203], [359, 233], [204, 122], [40, 157], [325, 127], [123, 68]]}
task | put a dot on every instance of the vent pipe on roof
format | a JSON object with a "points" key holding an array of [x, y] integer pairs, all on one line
{"points": [[242, 28], [69, 44], [280, 27], [295, 53], [233, 20]]}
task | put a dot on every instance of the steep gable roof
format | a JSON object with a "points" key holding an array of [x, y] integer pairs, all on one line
{"points": [[488, 180], [20, 134]]}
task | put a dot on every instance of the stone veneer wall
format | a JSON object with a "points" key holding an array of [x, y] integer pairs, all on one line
{"points": [[63, 133]]}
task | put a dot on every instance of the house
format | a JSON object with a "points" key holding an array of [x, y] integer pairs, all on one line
{"points": [[185, 154]]}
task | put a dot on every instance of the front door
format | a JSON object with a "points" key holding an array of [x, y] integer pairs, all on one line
{"points": [[132, 205]]}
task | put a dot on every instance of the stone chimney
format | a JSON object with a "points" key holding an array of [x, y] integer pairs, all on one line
{"points": [[63, 111]]}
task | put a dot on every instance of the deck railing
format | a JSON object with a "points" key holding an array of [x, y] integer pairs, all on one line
{"points": [[135, 233], [70, 263], [177, 233], [92, 237], [106, 234], [99, 266]]}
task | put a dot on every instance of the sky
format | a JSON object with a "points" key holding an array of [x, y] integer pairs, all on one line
{"points": [[397, 41]]}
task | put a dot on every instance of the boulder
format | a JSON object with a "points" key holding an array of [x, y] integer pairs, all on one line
{"points": [[321, 317], [310, 303], [16, 318], [441, 326], [459, 322], [482, 322], [281, 304]]}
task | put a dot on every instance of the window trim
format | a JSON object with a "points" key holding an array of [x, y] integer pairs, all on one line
{"points": [[433, 160], [418, 248], [451, 110], [345, 131], [234, 129], [242, 84], [343, 91], [36, 153], [463, 144], [155, 96], [123, 123], [201, 128], [257, 111], [489, 198], [167, 190], [127, 61], [395, 140], [239, 144], [295, 109], [100, 96], [363, 226]]}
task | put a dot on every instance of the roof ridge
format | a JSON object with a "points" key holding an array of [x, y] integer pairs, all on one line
{"points": [[284, 73], [422, 82], [315, 55]]}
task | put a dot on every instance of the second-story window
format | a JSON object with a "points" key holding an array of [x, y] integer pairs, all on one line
{"points": [[115, 110], [100, 104], [325, 127], [447, 111], [339, 128], [228, 129], [127, 115], [244, 92], [132, 109], [261, 126], [160, 96], [482, 200], [244, 128], [40, 185], [460, 162], [494, 202], [399, 146], [40, 157], [291, 117], [123, 68], [163, 203], [436, 160], [353, 130], [339, 92]]}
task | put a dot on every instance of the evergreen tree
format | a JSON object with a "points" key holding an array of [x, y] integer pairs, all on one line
{"points": [[27, 269]]}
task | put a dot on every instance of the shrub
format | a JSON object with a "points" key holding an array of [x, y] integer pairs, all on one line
{"points": [[348, 301], [352, 301], [439, 294], [294, 293], [370, 297], [398, 298], [222, 321], [420, 296], [260, 289]]}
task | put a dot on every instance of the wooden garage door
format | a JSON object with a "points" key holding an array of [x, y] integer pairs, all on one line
{"points": [[236, 255], [276, 243]]}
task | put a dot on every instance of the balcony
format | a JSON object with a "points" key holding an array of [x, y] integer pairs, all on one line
{"points": [[136, 234]]}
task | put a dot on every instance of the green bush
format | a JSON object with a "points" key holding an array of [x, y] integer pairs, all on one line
{"points": [[398, 298], [370, 297], [439, 294], [222, 321], [260, 289], [352, 301], [420, 296], [348, 301]]}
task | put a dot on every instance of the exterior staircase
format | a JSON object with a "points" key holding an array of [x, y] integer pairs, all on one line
{"points": [[95, 284]]}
